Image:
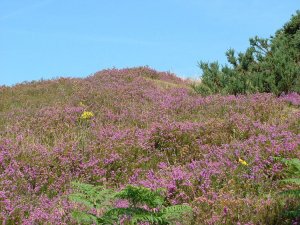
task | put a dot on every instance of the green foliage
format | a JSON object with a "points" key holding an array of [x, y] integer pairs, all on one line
{"points": [[92, 197], [268, 65], [141, 195], [293, 171], [175, 212], [212, 77], [145, 205], [202, 89]]}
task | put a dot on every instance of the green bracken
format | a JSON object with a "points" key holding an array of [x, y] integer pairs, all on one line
{"points": [[144, 205]]}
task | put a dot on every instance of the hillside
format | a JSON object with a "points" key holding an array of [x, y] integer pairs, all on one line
{"points": [[146, 128]]}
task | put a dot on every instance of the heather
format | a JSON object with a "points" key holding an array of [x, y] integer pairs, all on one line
{"points": [[148, 129]]}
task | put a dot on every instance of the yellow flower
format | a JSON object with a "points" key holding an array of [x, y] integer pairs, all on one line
{"points": [[243, 162], [86, 115], [81, 104]]}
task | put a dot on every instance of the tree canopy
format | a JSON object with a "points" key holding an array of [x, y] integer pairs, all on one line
{"points": [[267, 65]]}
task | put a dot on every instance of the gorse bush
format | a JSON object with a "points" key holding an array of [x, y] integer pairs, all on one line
{"points": [[144, 206], [268, 65]]}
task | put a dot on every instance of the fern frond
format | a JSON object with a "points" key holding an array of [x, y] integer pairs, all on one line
{"points": [[292, 180], [293, 213], [82, 199], [293, 165], [94, 197], [142, 195], [85, 188], [125, 211], [84, 218], [150, 217], [136, 215], [295, 193], [176, 211], [294, 170], [91, 196]]}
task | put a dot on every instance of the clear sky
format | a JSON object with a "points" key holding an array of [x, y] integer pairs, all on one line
{"points": [[53, 38]]}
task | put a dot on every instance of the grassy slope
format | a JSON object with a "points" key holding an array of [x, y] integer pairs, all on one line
{"points": [[149, 129]]}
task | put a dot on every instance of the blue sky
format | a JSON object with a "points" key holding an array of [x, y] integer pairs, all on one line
{"points": [[75, 38]]}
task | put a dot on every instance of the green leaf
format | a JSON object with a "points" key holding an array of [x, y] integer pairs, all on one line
{"points": [[176, 211], [295, 193], [141, 195], [84, 218], [292, 180]]}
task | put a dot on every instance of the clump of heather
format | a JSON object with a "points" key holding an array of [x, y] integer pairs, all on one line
{"points": [[145, 128], [292, 98]]}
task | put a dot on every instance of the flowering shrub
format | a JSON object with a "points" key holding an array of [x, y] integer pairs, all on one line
{"points": [[149, 129], [87, 115]]}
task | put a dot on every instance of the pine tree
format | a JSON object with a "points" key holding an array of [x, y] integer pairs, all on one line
{"points": [[267, 65]]}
